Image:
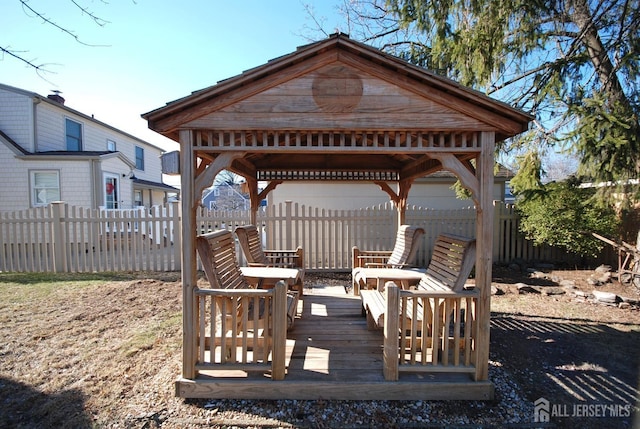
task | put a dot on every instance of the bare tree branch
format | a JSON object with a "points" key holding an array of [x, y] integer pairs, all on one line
{"points": [[46, 20], [39, 68]]}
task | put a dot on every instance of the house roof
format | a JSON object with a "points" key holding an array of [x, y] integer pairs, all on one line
{"points": [[148, 184], [85, 117], [78, 155], [19, 150]]}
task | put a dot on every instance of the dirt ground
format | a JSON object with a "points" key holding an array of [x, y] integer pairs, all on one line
{"points": [[106, 354]]}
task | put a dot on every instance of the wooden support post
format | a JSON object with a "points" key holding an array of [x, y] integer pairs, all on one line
{"points": [[390, 350], [252, 187], [189, 263], [484, 251], [279, 331]]}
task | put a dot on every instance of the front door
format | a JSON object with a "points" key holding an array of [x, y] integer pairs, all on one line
{"points": [[111, 192]]}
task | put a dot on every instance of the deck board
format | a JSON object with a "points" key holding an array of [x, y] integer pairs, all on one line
{"points": [[332, 355]]}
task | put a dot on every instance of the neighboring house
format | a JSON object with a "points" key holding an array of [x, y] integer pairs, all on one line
{"points": [[226, 197], [50, 152], [434, 191]]}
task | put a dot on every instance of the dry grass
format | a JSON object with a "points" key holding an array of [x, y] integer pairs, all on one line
{"points": [[103, 350]]}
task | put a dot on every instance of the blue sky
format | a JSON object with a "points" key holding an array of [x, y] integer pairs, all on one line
{"points": [[151, 51]]}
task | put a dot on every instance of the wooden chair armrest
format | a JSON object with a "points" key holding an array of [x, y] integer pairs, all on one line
{"points": [[374, 253]]}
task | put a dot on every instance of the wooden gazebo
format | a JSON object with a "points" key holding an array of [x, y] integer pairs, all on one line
{"points": [[339, 110]]}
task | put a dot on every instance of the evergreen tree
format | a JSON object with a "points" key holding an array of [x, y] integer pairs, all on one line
{"points": [[574, 64]]}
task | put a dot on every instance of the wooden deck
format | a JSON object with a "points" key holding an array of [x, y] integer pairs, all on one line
{"points": [[332, 355]]}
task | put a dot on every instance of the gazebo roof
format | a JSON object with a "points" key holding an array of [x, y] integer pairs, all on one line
{"points": [[507, 120], [302, 116]]}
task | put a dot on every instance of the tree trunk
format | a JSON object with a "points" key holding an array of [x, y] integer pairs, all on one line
{"points": [[581, 16]]}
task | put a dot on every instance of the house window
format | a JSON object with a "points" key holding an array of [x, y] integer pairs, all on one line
{"points": [[137, 198], [74, 135], [139, 158], [111, 146], [45, 187]]}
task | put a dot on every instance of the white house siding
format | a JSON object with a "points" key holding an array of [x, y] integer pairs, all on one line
{"points": [[50, 127], [75, 182], [14, 189], [16, 117], [348, 196]]}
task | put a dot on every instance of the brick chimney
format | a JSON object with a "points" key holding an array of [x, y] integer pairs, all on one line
{"points": [[56, 97]]}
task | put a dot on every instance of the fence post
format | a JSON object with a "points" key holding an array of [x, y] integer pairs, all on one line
{"points": [[176, 233], [59, 253], [497, 228], [288, 224]]}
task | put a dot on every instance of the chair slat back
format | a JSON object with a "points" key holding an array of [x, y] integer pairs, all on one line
{"points": [[451, 263], [218, 256], [406, 246], [251, 244]]}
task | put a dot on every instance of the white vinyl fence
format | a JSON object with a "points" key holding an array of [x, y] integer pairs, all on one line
{"points": [[63, 238]]}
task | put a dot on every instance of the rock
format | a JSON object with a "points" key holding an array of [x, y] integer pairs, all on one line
{"points": [[580, 293], [568, 284], [624, 305], [631, 301], [535, 274], [603, 269], [604, 278], [495, 290], [525, 288], [593, 281], [552, 290], [606, 297]]}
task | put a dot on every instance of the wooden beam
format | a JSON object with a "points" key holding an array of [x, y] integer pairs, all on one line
{"points": [[256, 197], [222, 161], [392, 194], [454, 165], [270, 187]]}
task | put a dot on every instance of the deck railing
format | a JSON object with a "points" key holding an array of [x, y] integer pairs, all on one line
{"points": [[63, 238], [242, 330], [437, 332]]}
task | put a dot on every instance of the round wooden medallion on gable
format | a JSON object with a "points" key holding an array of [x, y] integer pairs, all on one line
{"points": [[337, 89]]}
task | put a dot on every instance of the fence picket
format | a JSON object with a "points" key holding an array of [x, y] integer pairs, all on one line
{"points": [[74, 239]]}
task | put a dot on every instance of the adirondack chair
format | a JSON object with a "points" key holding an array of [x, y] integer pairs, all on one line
{"points": [[403, 253], [434, 323], [219, 262], [451, 263], [256, 256]]}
